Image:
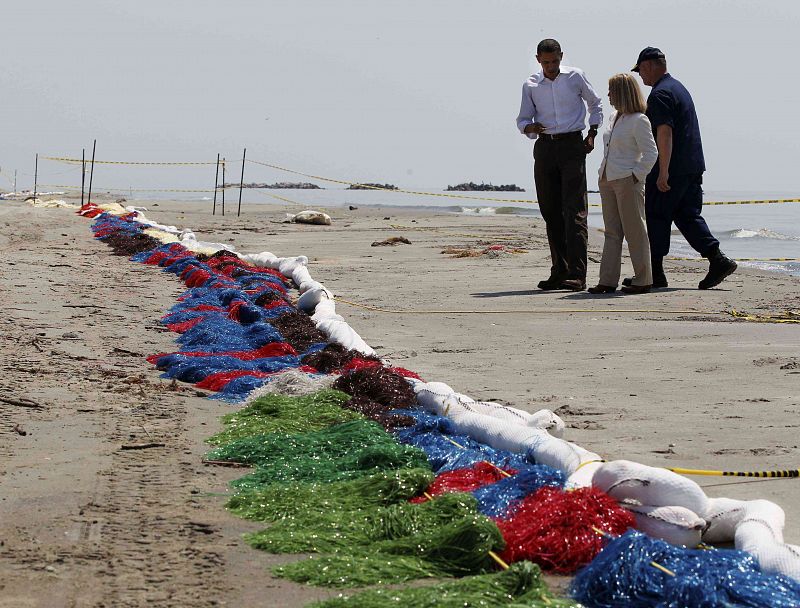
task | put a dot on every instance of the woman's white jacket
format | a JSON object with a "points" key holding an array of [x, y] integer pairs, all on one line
{"points": [[628, 147]]}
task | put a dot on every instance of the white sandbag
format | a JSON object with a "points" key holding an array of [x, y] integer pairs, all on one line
{"points": [[722, 517], [265, 259], [309, 217], [311, 298], [626, 480], [673, 524], [189, 240], [442, 396], [500, 433]]}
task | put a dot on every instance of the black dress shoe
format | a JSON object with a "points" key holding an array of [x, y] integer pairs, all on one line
{"points": [[600, 288], [721, 267], [633, 289], [659, 281], [573, 284], [551, 283]]}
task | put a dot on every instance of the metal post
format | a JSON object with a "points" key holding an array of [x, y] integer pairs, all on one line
{"points": [[35, 177], [91, 173], [223, 187], [216, 181], [241, 184], [83, 173]]}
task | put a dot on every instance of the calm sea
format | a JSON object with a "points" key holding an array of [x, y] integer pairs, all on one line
{"points": [[744, 231]]}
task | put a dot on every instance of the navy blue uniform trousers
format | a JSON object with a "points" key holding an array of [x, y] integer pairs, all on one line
{"points": [[681, 204]]}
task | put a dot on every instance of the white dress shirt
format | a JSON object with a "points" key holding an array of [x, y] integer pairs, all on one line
{"points": [[560, 104], [628, 147]]}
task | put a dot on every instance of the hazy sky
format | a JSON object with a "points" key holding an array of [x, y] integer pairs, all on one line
{"points": [[418, 93]]}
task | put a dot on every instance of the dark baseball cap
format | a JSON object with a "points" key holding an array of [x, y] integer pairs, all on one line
{"points": [[649, 52]]}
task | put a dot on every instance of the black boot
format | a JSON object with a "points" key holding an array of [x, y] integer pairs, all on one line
{"points": [[659, 278], [720, 266]]}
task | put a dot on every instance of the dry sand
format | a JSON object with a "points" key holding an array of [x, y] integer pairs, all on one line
{"points": [[85, 523]]}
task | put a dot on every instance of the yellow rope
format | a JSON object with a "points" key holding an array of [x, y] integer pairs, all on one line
{"points": [[524, 311], [499, 560], [787, 473], [400, 190], [481, 198], [345, 182], [124, 190], [583, 464], [662, 568], [79, 161], [789, 316]]}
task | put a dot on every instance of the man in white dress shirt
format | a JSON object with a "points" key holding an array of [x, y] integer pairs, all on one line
{"points": [[553, 112]]}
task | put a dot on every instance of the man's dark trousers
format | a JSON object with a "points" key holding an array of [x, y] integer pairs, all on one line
{"points": [[559, 171], [681, 204]]}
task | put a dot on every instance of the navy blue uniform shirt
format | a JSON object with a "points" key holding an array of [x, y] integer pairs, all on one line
{"points": [[670, 104]]}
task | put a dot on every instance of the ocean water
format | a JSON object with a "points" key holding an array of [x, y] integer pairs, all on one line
{"points": [[744, 231]]}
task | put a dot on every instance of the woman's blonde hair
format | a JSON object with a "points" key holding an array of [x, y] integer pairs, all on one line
{"points": [[627, 95]]}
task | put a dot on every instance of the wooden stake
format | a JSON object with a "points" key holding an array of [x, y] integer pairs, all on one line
{"points": [[223, 187], [91, 173], [83, 173], [241, 184], [216, 182]]}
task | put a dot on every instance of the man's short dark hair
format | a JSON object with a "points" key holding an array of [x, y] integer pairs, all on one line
{"points": [[548, 45]]}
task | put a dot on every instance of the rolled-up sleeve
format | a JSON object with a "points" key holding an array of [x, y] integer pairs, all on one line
{"points": [[527, 112], [593, 102], [643, 134]]}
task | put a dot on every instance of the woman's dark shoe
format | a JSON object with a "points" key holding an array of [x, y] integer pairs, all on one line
{"points": [[636, 288], [599, 288], [659, 281], [550, 283]]}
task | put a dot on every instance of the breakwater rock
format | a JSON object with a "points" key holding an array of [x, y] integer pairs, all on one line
{"points": [[370, 186], [278, 186], [473, 187]]}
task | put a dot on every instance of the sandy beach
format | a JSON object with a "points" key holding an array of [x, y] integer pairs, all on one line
{"points": [[667, 379]]}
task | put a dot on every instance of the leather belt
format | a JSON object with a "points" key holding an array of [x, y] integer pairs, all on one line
{"points": [[557, 136]]}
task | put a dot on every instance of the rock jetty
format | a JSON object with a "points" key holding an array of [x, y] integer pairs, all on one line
{"points": [[473, 187], [370, 186], [278, 186]]}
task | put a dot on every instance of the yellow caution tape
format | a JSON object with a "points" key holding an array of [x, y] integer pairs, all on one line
{"points": [[122, 162], [770, 201], [698, 259], [348, 183], [788, 316], [787, 473], [481, 198], [399, 190]]}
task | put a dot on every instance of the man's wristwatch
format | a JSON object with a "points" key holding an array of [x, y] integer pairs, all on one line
{"points": [[592, 132]]}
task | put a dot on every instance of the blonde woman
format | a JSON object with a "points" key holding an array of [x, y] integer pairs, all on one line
{"points": [[629, 154]]}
